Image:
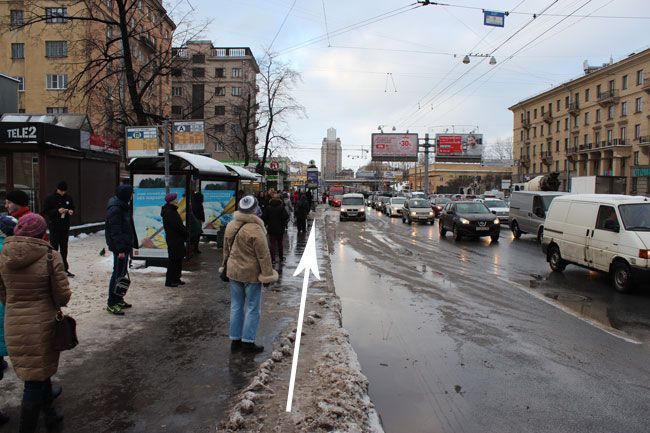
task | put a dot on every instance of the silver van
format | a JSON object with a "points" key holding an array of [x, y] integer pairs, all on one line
{"points": [[528, 211]]}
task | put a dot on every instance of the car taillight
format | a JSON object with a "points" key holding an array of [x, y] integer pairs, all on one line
{"points": [[644, 254]]}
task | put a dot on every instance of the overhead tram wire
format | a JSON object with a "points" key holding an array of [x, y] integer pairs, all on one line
{"points": [[351, 27], [327, 31], [493, 70], [508, 39], [282, 25]]}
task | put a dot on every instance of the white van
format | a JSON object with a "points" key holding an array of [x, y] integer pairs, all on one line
{"points": [[528, 211], [353, 206], [609, 233]]}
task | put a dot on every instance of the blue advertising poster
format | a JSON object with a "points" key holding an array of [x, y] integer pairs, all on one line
{"points": [[312, 178], [148, 200], [218, 204]]}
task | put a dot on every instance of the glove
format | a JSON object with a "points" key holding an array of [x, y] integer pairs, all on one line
{"points": [[265, 285]]}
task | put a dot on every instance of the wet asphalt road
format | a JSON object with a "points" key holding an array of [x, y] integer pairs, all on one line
{"points": [[481, 337]]}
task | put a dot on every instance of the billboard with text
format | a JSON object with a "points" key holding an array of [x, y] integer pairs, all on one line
{"points": [[459, 147], [394, 147]]}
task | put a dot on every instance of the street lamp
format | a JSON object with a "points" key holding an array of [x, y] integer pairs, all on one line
{"points": [[381, 128], [466, 59]]}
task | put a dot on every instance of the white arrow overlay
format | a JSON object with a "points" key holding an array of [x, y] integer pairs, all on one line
{"points": [[308, 263]]}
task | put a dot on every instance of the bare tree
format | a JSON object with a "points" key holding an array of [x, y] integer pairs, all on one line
{"points": [[501, 149], [246, 110], [124, 54], [277, 81]]}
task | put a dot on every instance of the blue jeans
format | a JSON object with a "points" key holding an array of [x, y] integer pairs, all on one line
{"points": [[119, 269], [245, 306]]}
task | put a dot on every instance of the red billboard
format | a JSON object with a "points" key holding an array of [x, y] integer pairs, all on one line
{"points": [[459, 147], [450, 144]]}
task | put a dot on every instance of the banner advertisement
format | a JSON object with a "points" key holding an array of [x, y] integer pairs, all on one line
{"points": [[312, 178], [148, 200], [141, 142], [219, 204], [459, 147], [394, 147], [189, 135]]}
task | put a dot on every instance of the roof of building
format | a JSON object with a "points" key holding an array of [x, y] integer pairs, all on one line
{"points": [[66, 120], [597, 73]]}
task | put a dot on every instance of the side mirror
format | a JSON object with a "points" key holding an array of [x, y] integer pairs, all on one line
{"points": [[538, 211], [494, 212], [612, 226]]}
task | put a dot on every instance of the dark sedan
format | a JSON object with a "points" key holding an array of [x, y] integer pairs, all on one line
{"points": [[470, 219]]}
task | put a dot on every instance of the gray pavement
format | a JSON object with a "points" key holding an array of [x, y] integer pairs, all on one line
{"points": [[481, 337]]}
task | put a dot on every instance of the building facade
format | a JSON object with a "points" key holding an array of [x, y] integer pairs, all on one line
{"points": [[8, 94], [598, 124], [218, 85], [449, 177], [69, 58], [331, 155]]}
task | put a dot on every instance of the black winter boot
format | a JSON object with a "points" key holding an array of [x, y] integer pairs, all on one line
{"points": [[4, 418], [52, 416], [29, 413]]}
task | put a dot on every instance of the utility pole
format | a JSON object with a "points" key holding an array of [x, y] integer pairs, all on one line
{"points": [[426, 146], [166, 153]]}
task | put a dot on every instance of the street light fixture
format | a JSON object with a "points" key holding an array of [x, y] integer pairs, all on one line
{"points": [[466, 59]]}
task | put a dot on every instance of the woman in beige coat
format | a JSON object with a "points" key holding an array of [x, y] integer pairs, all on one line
{"points": [[246, 252], [30, 315]]}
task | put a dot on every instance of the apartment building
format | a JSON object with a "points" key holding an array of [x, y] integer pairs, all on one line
{"points": [[331, 155], [49, 45], [597, 124], [219, 86]]}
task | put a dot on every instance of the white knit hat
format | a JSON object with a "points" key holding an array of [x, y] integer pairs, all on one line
{"points": [[248, 204]]}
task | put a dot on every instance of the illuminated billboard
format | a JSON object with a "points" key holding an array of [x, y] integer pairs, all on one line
{"points": [[394, 147], [459, 147]]}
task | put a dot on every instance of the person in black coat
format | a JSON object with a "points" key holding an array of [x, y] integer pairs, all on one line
{"points": [[120, 239], [276, 218], [58, 209], [197, 222], [301, 212], [175, 235]]}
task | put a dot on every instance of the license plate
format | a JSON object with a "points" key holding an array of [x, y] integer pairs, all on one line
{"points": [[352, 214], [423, 218], [482, 229]]}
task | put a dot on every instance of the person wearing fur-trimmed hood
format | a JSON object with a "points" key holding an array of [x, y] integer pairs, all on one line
{"points": [[248, 265]]}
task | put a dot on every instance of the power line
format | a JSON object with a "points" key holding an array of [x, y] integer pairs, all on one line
{"points": [[282, 25], [327, 31]]}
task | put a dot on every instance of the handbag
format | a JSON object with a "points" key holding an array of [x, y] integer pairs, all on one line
{"points": [[122, 285], [65, 327], [224, 272]]}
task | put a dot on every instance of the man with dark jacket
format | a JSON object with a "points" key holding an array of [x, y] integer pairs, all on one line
{"points": [[175, 235], [301, 212], [275, 218], [197, 222], [58, 208], [17, 203], [120, 239]]}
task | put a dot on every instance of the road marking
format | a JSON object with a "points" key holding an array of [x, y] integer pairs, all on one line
{"points": [[609, 330], [308, 263]]}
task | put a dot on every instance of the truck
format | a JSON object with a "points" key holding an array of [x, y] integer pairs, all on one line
{"points": [[598, 185]]}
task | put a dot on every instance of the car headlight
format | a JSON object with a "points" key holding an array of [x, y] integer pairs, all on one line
{"points": [[464, 221], [362, 210], [413, 213], [430, 213], [496, 221]]}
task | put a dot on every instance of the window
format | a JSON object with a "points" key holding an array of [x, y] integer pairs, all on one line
{"points": [[557, 165], [534, 131], [598, 90], [236, 72], [534, 150], [610, 112], [587, 118], [607, 219], [198, 72], [586, 139], [177, 110], [521, 135], [219, 72], [597, 115], [220, 91], [623, 108], [177, 72], [18, 51], [557, 126], [235, 129], [237, 52], [109, 33], [56, 15], [535, 113], [566, 102], [236, 91], [557, 105], [624, 82], [597, 137], [557, 145], [637, 131], [638, 105], [236, 110], [57, 110], [198, 58], [636, 157], [639, 76], [219, 147], [177, 91], [17, 18], [56, 49], [611, 84], [586, 95], [220, 128], [57, 82], [566, 124], [623, 133], [219, 110], [109, 5], [21, 85], [609, 136], [140, 5]]}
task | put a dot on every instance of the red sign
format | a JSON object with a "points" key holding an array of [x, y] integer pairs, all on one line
{"points": [[274, 165], [104, 144], [448, 144]]}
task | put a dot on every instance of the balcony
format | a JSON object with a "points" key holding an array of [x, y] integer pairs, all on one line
{"points": [[587, 147], [609, 97], [646, 85], [574, 108], [525, 124], [525, 161], [644, 140], [547, 118], [547, 158], [572, 153]]}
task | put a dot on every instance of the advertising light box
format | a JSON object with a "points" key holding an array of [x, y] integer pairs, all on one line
{"points": [[459, 147], [394, 147]]}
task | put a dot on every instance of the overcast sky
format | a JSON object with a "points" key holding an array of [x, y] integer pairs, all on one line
{"points": [[406, 70]]}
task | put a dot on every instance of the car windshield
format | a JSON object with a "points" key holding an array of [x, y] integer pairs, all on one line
{"points": [[471, 208], [337, 197], [418, 202], [636, 217], [353, 201], [398, 200], [495, 203], [442, 200]]}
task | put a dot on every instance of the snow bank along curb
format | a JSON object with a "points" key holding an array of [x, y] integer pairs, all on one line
{"points": [[331, 392]]}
